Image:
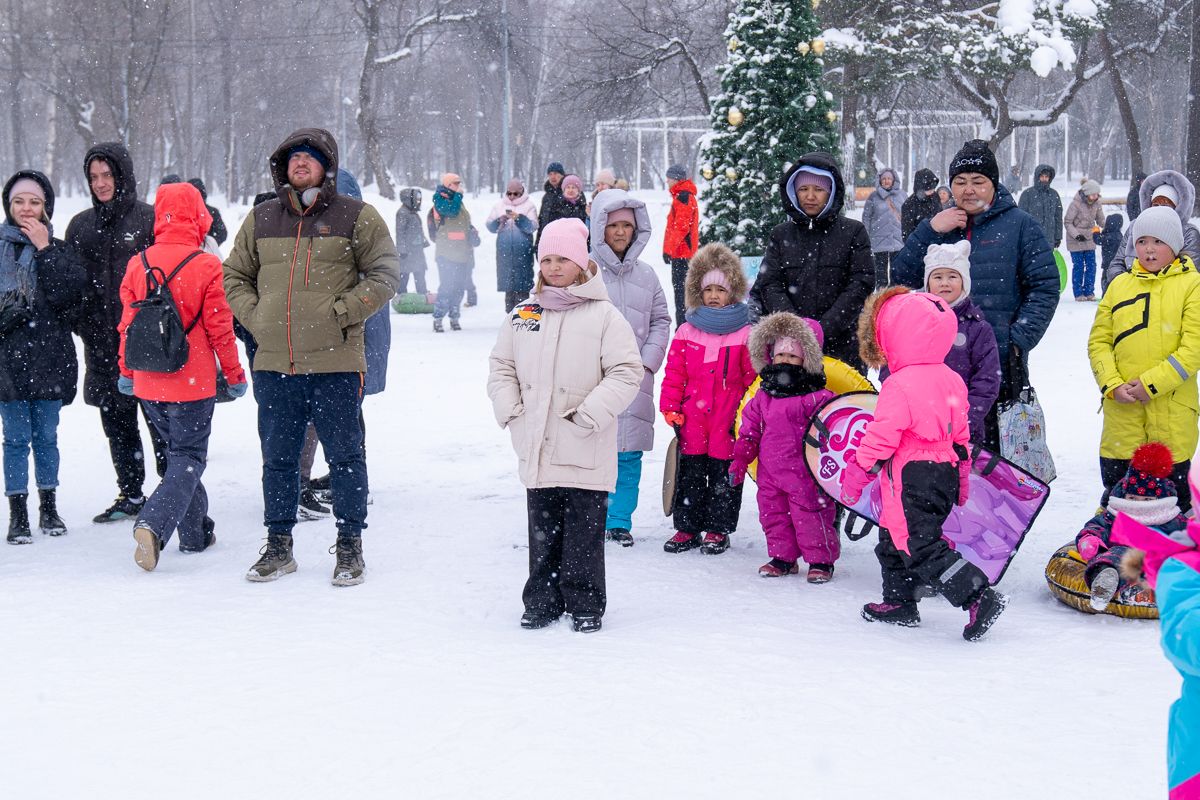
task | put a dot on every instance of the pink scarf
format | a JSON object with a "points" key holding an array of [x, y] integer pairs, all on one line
{"points": [[553, 298], [523, 205]]}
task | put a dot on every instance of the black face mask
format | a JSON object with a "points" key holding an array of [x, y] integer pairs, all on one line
{"points": [[790, 380]]}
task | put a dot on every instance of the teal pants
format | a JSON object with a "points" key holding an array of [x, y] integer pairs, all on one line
{"points": [[624, 500]]}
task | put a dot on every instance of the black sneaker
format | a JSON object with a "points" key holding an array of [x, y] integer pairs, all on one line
{"points": [[621, 536], [983, 613], [122, 508], [276, 560], [311, 507], [320, 484], [535, 620], [585, 623], [350, 564], [902, 614]]}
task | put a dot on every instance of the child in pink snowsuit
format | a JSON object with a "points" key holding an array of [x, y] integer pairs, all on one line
{"points": [[708, 373], [796, 515], [917, 442]]}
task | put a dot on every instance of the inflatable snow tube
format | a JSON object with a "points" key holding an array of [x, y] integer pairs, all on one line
{"points": [[840, 378], [1064, 576], [1064, 276], [413, 303]]}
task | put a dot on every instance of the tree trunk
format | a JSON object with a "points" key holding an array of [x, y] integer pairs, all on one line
{"points": [[1128, 120], [368, 121], [1193, 112]]}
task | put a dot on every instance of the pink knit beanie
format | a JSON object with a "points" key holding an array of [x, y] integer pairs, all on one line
{"points": [[715, 277], [806, 178], [573, 180], [567, 237], [622, 215], [786, 344]]}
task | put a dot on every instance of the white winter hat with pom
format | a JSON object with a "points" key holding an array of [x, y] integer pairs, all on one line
{"points": [[955, 256]]}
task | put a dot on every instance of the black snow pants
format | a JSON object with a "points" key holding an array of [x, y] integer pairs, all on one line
{"points": [[566, 551], [704, 500]]}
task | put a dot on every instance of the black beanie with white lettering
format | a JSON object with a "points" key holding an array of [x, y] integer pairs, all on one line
{"points": [[976, 156]]}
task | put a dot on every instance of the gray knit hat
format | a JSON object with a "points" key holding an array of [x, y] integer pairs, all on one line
{"points": [[677, 172], [1163, 224]]}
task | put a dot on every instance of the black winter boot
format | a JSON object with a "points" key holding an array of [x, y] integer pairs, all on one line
{"points": [[48, 519], [350, 564], [902, 614], [18, 520]]}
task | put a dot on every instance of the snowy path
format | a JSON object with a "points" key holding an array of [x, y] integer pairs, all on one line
{"points": [[706, 682]]}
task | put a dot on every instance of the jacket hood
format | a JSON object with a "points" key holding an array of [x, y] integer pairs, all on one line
{"points": [[902, 328], [924, 180], [347, 184], [323, 142], [42, 181], [685, 185], [605, 203], [821, 163], [199, 184], [180, 216], [121, 164], [710, 257], [1182, 186], [774, 327], [411, 199], [591, 289], [895, 180], [1040, 170], [1113, 223]]}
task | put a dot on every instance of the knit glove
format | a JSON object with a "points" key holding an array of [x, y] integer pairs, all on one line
{"points": [[964, 481], [237, 389], [666, 259], [854, 480], [737, 473], [125, 386], [673, 418], [1089, 546]]}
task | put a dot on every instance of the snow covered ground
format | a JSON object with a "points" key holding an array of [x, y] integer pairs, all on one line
{"points": [[706, 682]]}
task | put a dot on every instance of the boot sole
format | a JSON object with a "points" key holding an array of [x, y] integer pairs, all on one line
{"points": [[54, 531], [1103, 590], [679, 548], [908, 623], [286, 569], [146, 554], [347, 581], [986, 625], [21, 539]]}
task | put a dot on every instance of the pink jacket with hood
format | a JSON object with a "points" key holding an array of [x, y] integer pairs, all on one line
{"points": [[922, 408]]}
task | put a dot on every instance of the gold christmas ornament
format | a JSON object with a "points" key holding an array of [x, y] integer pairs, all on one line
{"points": [[816, 4], [818, 46], [803, 48], [731, 174], [734, 44], [708, 173], [735, 116], [831, 116]]}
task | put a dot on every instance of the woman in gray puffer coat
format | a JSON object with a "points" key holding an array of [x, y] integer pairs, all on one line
{"points": [[881, 216], [1165, 187], [411, 241], [620, 231]]}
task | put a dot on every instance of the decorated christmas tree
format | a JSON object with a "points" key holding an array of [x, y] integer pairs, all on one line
{"points": [[772, 109]]}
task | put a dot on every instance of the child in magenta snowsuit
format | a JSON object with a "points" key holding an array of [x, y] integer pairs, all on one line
{"points": [[797, 517], [917, 445], [708, 373]]}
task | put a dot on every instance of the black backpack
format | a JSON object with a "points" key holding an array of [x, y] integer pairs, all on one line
{"points": [[156, 340]]}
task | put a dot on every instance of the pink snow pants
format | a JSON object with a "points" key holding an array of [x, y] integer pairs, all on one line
{"points": [[798, 526]]}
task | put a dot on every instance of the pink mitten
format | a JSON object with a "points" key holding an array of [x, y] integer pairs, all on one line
{"points": [[854, 480], [1089, 545], [737, 473]]}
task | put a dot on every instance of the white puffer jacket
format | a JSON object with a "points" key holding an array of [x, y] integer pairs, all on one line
{"points": [[558, 381]]}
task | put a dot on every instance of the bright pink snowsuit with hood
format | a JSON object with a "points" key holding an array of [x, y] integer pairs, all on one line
{"points": [[922, 408], [706, 378]]}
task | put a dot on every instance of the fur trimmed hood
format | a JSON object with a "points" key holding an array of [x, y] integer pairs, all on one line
{"points": [[774, 327], [868, 344], [714, 256]]}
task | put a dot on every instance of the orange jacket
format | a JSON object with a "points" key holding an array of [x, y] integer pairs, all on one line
{"points": [[682, 237], [180, 223]]}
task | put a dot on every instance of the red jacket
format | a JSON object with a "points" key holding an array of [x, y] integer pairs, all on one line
{"points": [[682, 237], [180, 223], [707, 377]]}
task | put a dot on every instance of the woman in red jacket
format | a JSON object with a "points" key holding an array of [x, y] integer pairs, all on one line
{"points": [[180, 404], [681, 239]]}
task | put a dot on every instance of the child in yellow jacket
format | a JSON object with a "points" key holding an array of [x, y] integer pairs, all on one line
{"points": [[1145, 351]]}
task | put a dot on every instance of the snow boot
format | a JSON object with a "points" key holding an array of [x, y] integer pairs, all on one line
{"points": [[536, 620], [983, 614], [1104, 586], [454, 326], [148, 547], [820, 573], [210, 538], [320, 484], [777, 568], [903, 614], [350, 564], [714, 544], [276, 560], [311, 507], [682, 542], [585, 623], [48, 519], [18, 520], [122, 508], [437, 326], [621, 536]]}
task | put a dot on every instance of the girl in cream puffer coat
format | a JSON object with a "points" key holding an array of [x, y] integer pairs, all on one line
{"points": [[565, 366]]}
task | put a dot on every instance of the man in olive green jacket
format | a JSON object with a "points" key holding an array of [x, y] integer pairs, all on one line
{"points": [[307, 269]]}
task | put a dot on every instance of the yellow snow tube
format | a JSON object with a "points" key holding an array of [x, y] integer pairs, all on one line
{"points": [[1064, 576], [840, 378]]}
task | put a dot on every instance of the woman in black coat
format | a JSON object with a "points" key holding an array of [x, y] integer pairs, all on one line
{"points": [[41, 286], [818, 263]]}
